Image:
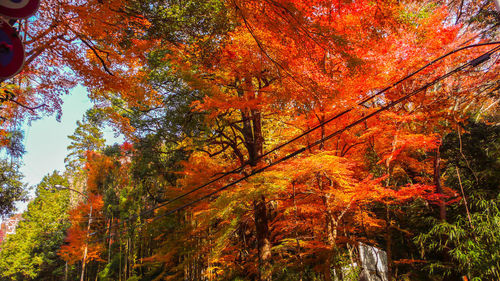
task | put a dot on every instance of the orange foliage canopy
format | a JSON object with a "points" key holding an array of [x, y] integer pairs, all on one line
{"points": [[300, 64], [101, 170], [272, 77], [78, 234]]}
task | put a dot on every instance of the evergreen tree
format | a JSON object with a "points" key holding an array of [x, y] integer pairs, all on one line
{"points": [[31, 253], [86, 137], [11, 186]]}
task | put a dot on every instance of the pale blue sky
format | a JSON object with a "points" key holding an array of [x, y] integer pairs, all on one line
{"points": [[46, 139]]}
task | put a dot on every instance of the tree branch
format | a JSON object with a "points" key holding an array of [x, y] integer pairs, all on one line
{"points": [[97, 55]]}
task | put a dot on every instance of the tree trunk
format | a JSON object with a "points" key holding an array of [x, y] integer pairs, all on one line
{"points": [[388, 243], [109, 237], [331, 242], [331, 224], [251, 131], [263, 242], [120, 267]]}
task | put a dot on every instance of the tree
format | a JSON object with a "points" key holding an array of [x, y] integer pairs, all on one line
{"points": [[470, 235], [31, 253], [302, 62], [12, 188], [206, 90], [87, 137]]}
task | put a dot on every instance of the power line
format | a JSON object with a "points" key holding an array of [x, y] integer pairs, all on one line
{"points": [[299, 151], [321, 124], [472, 63]]}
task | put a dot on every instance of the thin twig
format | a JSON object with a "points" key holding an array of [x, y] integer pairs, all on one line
{"points": [[463, 155], [465, 199], [28, 107], [98, 56]]}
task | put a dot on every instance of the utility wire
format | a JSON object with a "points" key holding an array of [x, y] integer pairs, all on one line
{"points": [[472, 63], [321, 124], [299, 151]]}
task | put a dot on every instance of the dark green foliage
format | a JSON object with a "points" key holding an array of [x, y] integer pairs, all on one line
{"points": [[87, 137], [31, 253], [478, 161], [15, 148], [109, 273], [183, 21], [468, 243], [11, 186]]}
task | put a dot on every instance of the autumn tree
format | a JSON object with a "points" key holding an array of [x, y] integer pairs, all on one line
{"points": [[259, 76], [297, 66], [205, 90]]}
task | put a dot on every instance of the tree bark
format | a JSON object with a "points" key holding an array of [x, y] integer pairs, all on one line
{"points": [[388, 243], [254, 141], [263, 241]]}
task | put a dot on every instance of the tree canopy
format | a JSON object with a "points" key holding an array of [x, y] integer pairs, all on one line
{"points": [[269, 139]]}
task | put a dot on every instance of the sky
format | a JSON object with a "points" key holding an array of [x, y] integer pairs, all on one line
{"points": [[45, 140]]}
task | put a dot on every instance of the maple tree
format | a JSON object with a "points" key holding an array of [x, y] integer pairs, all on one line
{"points": [[246, 92], [256, 71], [209, 95]]}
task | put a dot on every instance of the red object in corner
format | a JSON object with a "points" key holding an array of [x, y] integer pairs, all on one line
{"points": [[11, 51], [18, 9]]}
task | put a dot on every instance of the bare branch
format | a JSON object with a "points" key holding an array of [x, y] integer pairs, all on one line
{"points": [[97, 55]]}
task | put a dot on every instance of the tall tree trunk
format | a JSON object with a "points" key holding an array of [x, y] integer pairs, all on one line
{"points": [[97, 272], [253, 142], [66, 272], [330, 239], [120, 264], [127, 271], [331, 229], [125, 262], [330, 222], [296, 234], [263, 242], [388, 243], [109, 238]]}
